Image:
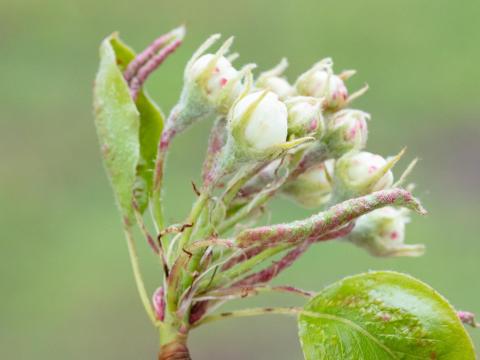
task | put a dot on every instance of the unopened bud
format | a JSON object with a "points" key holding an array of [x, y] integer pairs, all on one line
{"points": [[305, 116], [213, 73], [158, 301], [382, 233], [362, 173], [273, 81], [313, 188], [258, 123], [346, 131], [321, 82]]}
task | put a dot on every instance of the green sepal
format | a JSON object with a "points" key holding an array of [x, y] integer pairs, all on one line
{"points": [[382, 315]]}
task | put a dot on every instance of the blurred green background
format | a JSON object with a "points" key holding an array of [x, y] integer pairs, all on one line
{"points": [[66, 289]]}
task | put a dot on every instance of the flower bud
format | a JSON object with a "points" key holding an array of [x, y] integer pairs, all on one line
{"points": [[158, 300], [361, 173], [382, 233], [313, 188], [213, 73], [273, 81], [321, 82], [258, 122], [347, 131], [305, 116]]}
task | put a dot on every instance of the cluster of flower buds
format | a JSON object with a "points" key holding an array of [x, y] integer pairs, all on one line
{"points": [[306, 124], [268, 119]]}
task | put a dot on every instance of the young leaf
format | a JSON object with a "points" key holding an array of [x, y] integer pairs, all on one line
{"points": [[151, 125], [382, 315], [117, 122], [129, 131]]}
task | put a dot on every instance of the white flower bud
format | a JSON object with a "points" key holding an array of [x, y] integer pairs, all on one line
{"points": [[347, 131], [362, 173], [364, 165], [321, 82], [278, 85], [211, 82], [273, 81], [382, 233], [305, 116], [214, 73], [258, 122], [313, 188]]}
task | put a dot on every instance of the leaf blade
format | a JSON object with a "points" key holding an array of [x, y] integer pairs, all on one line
{"points": [[128, 131], [151, 125], [117, 123], [382, 315]]}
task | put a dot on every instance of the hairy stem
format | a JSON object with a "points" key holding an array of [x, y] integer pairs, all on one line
{"points": [[240, 292]]}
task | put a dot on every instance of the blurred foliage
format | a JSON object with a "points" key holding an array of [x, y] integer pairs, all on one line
{"points": [[65, 283]]}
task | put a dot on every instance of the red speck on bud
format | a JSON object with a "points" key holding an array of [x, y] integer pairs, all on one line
{"points": [[352, 133], [372, 169]]}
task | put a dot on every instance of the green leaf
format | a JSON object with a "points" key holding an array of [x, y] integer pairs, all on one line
{"points": [[382, 315], [151, 125], [117, 122], [128, 132]]}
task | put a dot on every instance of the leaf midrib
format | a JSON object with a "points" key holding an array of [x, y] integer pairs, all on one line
{"points": [[354, 326]]}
